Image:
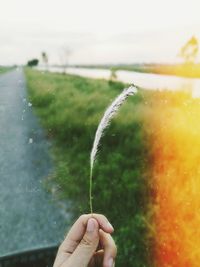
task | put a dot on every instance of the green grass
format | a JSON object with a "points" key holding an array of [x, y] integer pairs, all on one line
{"points": [[4, 69], [69, 108]]}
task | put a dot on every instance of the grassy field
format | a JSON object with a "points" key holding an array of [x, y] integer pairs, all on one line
{"points": [[146, 177], [4, 69], [70, 108]]}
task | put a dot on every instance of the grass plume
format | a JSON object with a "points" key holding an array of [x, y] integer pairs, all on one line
{"points": [[110, 112]]}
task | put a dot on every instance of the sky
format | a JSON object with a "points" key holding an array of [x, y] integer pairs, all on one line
{"points": [[96, 32]]}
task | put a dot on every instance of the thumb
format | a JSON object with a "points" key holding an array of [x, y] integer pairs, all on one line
{"points": [[88, 245]]}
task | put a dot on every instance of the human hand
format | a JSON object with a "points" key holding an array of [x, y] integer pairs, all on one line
{"points": [[88, 244]]}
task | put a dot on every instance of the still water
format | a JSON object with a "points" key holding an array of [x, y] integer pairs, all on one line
{"points": [[144, 80]]}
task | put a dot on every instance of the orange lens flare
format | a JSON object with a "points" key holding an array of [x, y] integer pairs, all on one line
{"points": [[176, 177]]}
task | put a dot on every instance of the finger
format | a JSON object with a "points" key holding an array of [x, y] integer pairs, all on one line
{"points": [[110, 249], [77, 231], [87, 247]]}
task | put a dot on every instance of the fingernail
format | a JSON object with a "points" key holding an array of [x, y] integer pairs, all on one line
{"points": [[110, 262], [110, 226], [90, 225]]}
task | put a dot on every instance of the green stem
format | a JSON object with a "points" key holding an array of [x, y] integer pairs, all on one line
{"points": [[90, 193]]}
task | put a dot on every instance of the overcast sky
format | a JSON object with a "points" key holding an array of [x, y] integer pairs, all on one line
{"points": [[104, 31]]}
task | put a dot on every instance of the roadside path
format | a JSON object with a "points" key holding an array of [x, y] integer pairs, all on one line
{"points": [[29, 216]]}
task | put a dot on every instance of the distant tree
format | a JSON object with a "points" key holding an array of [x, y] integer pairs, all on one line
{"points": [[64, 57], [45, 59], [189, 51], [33, 62]]}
